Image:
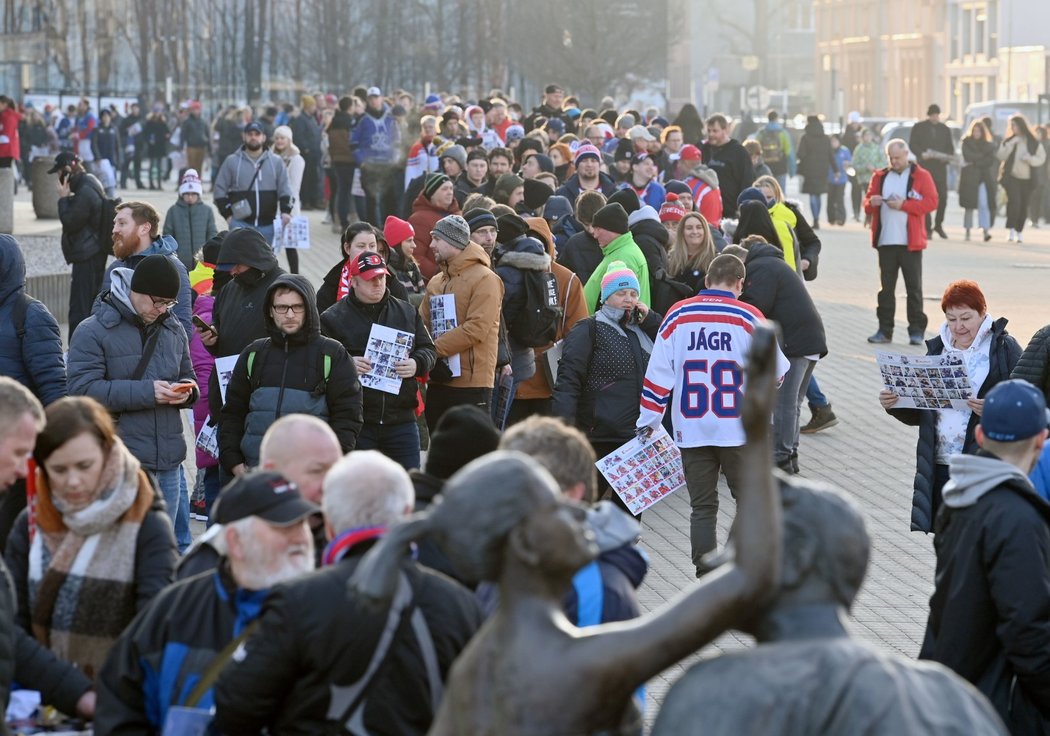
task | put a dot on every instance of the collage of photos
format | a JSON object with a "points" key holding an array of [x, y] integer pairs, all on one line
{"points": [[386, 346], [442, 319], [644, 472], [926, 382]]}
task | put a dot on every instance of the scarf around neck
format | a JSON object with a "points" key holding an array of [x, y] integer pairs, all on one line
{"points": [[82, 563]]}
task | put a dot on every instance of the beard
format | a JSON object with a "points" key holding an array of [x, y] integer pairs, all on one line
{"points": [[267, 569], [121, 248], [253, 146]]}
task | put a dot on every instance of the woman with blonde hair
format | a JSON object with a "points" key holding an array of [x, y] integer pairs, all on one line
{"points": [[691, 252], [784, 210], [295, 165]]}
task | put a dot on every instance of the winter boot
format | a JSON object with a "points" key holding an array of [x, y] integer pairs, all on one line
{"points": [[822, 418]]}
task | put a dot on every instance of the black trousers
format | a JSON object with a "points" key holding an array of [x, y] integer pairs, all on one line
{"points": [[381, 195], [939, 172], [1018, 192], [441, 398], [85, 282], [891, 259]]}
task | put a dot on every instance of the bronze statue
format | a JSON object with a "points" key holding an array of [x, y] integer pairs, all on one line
{"points": [[807, 676], [529, 671]]}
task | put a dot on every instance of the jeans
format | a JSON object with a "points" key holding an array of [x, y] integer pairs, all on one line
{"points": [[789, 402], [212, 486], [815, 397], [265, 230], [814, 207], [399, 442], [984, 214], [701, 465], [172, 484], [892, 258]]}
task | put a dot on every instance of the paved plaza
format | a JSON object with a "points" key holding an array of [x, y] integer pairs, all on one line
{"points": [[869, 455]]}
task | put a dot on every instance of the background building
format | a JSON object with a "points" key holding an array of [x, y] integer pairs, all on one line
{"points": [[728, 56]]}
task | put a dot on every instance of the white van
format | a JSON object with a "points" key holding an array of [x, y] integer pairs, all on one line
{"points": [[1001, 111]]}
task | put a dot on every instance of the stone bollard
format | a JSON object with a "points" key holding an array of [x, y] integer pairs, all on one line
{"points": [[7, 200], [45, 193]]}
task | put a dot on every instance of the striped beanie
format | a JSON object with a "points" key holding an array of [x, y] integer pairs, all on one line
{"points": [[478, 218], [432, 183], [453, 230], [672, 210], [617, 277]]}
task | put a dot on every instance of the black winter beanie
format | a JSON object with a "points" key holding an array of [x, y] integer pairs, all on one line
{"points": [[464, 433]]}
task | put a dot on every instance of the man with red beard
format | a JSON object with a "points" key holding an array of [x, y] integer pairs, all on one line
{"points": [[136, 235]]}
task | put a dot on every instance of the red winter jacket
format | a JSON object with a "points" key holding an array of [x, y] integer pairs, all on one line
{"points": [[9, 143], [921, 200]]}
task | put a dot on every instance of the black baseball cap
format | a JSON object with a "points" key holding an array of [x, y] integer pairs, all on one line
{"points": [[254, 127], [268, 495], [63, 160]]}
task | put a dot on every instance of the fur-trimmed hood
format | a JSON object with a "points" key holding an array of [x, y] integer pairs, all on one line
{"points": [[524, 254], [705, 174]]}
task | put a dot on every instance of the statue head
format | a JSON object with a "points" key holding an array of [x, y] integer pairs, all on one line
{"points": [[501, 509], [825, 551]]}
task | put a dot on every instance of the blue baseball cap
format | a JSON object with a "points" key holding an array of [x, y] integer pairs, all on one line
{"points": [[1013, 411], [254, 127]]}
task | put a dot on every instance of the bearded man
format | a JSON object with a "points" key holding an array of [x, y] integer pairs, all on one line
{"points": [[136, 236], [164, 655]]}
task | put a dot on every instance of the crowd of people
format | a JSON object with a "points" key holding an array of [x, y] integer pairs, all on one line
{"points": [[555, 283]]}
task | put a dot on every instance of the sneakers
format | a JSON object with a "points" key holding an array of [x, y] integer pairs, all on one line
{"points": [[327, 219], [197, 510], [916, 338], [1011, 236], [822, 417], [880, 337], [789, 466]]}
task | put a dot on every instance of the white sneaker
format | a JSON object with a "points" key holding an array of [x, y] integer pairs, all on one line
{"points": [[1019, 238], [1012, 236], [327, 219]]}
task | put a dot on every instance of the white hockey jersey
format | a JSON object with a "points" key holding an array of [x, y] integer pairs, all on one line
{"points": [[699, 355]]}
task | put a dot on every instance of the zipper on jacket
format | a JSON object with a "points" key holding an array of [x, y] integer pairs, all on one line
{"points": [[284, 377]]}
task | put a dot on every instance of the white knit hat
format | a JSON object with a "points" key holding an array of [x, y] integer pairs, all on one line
{"points": [[191, 182]]}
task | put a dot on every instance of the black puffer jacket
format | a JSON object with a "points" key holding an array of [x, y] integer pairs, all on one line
{"points": [[238, 314], [581, 254], [599, 380], [287, 377], [1003, 356], [774, 287], [350, 322], [988, 618], [1034, 363], [314, 642]]}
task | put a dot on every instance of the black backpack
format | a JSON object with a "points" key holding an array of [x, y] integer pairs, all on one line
{"points": [[537, 323]]}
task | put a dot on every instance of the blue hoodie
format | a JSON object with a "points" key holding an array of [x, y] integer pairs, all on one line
{"points": [[376, 138], [165, 245]]}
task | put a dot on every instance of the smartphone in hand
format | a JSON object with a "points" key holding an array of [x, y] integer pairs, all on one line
{"points": [[202, 325], [183, 388]]}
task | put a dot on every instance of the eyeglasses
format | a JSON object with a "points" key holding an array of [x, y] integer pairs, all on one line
{"points": [[164, 303], [286, 308]]}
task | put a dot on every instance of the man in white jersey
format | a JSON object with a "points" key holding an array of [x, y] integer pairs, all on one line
{"points": [[699, 355]]}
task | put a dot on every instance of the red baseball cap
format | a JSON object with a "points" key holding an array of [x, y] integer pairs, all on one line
{"points": [[368, 266], [690, 152]]}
